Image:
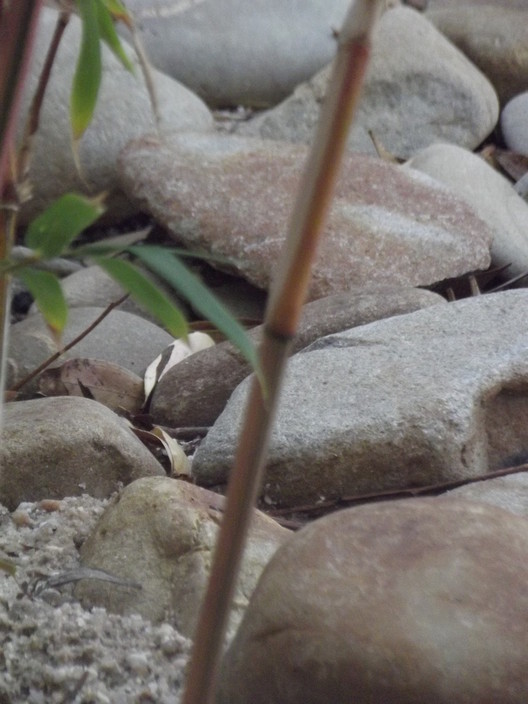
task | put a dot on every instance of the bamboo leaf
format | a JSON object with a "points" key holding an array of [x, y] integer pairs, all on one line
{"points": [[109, 35], [47, 292], [188, 285], [52, 231], [118, 11], [145, 293], [87, 78]]}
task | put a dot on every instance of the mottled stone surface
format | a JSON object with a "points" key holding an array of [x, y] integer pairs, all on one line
{"points": [[414, 601], [67, 446], [195, 391], [435, 395], [161, 534], [513, 124], [233, 197], [123, 338]]}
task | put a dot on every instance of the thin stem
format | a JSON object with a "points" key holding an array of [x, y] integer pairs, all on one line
{"points": [[33, 118], [18, 22], [70, 344], [282, 316], [408, 492]]}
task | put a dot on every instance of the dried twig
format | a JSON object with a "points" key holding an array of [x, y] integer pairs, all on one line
{"points": [[409, 492], [67, 347]]}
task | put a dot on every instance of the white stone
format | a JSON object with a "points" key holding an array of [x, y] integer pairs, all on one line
{"points": [[419, 89], [490, 195], [233, 52], [123, 112]]}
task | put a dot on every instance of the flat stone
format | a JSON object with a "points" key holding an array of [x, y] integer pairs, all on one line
{"points": [[232, 53], [67, 446], [161, 534], [232, 196], [123, 112], [413, 601], [419, 89], [494, 38], [490, 195], [195, 391], [428, 397], [123, 338]]}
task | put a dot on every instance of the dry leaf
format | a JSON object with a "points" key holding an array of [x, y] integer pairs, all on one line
{"points": [[105, 382], [171, 355], [179, 462], [514, 164]]}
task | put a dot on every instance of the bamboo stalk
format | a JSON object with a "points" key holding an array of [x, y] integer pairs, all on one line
{"points": [[18, 22], [282, 316]]}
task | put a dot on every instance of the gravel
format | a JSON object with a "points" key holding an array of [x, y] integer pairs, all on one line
{"points": [[54, 651]]}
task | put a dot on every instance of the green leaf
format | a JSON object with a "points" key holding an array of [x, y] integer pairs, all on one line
{"points": [[47, 292], [169, 267], [52, 231], [109, 35], [118, 11], [87, 78], [145, 293]]}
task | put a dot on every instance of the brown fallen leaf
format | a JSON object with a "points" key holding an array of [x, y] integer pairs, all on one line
{"points": [[105, 382], [513, 164], [180, 465]]}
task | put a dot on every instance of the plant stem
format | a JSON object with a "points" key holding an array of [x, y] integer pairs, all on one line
{"points": [[18, 22], [35, 372], [282, 316]]}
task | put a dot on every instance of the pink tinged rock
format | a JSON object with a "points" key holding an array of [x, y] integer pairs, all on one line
{"points": [[233, 196], [424, 600]]}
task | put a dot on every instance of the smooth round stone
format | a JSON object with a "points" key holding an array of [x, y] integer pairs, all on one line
{"points": [[123, 111], [234, 52], [514, 124], [422, 600]]}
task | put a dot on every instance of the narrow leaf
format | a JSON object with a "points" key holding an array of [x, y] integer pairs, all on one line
{"points": [[188, 285], [52, 231], [47, 292], [145, 293], [109, 35], [87, 78], [118, 11]]}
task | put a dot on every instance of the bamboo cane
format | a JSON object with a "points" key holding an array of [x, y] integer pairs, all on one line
{"points": [[280, 325], [18, 22]]}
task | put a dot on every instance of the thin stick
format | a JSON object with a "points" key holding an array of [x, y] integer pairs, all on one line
{"points": [[33, 118], [70, 344], [18, 21], [283, 313], [408, 492]]}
